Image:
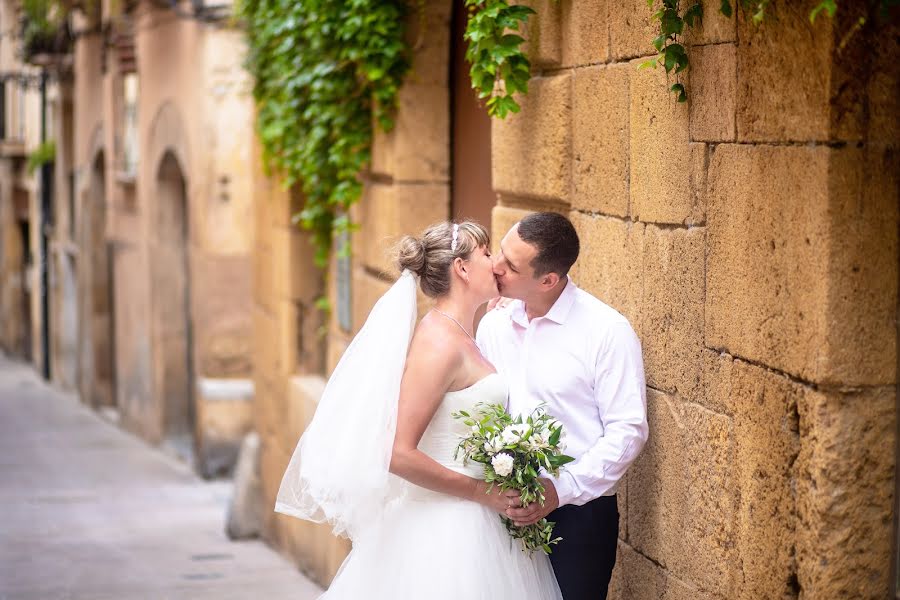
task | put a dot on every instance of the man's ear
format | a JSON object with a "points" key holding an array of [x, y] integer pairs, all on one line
{"points": [[549, 280]]}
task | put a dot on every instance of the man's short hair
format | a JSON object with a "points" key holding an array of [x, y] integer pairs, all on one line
{"points": [[556, 241]]}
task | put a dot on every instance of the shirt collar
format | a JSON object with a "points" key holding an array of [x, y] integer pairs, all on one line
{"points": [[557, 313]]}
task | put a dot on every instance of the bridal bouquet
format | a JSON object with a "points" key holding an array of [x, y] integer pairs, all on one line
{"points": [[513, 452]]}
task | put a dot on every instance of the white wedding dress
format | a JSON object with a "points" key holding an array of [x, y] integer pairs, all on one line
{"points": [[433, 546]]}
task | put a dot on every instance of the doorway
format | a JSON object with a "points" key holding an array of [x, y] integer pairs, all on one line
{"points": [[171, 306]]}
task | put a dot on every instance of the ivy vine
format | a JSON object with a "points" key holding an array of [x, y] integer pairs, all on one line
{"points": [[673, 56], [324, 71], [499, 67]]}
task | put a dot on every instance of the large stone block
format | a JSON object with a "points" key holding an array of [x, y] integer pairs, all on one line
{"points": [[388, 212], [712, 92], [846, 493], [284, 203], [715, 27], [881, 89], [788, 54], [801, 264], [861, 310], [631, 29], [428, 32], [418, 148], [263, 278], [543, 33], [304, 393], [600, 135], [610, 265], [531, 150], [766, 448], [638, 578], [667, 170], [672, 309], [294, 272], [682, 501], [586, 27], [502, 220]]}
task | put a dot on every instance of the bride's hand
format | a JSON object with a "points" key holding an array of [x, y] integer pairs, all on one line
{"points": [[497, 500]]}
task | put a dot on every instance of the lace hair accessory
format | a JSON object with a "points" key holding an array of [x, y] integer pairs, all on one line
{"points": [[455, 237]]}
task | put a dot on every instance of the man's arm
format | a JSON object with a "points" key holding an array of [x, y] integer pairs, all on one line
{"points": [[620, 392]]}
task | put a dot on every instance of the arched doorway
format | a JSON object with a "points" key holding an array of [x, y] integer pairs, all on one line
{"points": [[96, 322], [171, 305]]}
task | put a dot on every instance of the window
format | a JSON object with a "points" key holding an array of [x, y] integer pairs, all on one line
{"points": [[129, 126]]}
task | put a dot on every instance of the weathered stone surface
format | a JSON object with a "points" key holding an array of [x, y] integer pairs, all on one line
{"points": [[715, 392], [881, 97], [244, 518], [502, 220], [586, 26], [391, 211], [667, 171], [846, 493], [788, 54], [337, 345], [631, 29], [788, 230], [715, 27], [672, 308], [294, 272], [637, 578], [531, 150], [600, 134], [418, 148], [681, 493], [428, 35], [610, 265], [766, 447], [304, 393], [861, 306], [543, 33], [712, 93]]}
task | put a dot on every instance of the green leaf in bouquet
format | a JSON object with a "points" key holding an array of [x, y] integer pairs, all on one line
{"points": [[555, 435]]}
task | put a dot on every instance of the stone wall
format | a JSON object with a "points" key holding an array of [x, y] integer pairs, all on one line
{"points": [[178, 228], [750, 235], [406, 189]]}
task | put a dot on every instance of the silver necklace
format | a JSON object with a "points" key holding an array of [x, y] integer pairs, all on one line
{"points": [[457, 322]]}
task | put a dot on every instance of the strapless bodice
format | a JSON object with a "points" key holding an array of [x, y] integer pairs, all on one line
{"points": [[442, 435]]}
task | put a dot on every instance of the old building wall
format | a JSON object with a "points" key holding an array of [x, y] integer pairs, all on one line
{"points": [[750, 235], [171, 206], [406, 189]]}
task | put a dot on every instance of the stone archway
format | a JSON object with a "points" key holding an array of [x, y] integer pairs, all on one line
{"points": [[95, 267], [171, 301]]}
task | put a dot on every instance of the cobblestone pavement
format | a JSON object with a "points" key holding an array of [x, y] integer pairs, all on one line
{"points": [[88, 511]]}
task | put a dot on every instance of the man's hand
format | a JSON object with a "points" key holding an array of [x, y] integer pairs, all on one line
{"points": [[498, 302], [534, 512]]}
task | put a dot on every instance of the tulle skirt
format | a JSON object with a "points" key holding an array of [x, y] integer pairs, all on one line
{"points": [[437, 547]]}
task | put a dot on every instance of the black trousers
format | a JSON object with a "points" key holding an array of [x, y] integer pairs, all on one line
{"points": [[584, 559]]}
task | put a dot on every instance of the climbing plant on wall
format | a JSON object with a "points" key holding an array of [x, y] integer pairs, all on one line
{"points": [[673, 16], [323, 72], [323, 69]]}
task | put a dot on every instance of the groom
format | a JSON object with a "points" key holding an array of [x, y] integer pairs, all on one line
{"points": [[559, 345]]}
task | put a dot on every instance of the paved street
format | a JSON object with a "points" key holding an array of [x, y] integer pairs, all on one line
{"points": [[88, 511]]}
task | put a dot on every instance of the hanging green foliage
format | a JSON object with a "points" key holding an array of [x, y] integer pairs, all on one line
{"points": [[499, 67], [323, 71]]}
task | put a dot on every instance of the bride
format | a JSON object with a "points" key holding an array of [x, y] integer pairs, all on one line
{"points": [[376, 462]]}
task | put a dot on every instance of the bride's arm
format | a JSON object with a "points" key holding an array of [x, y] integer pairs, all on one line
{"points": [[430, 369]]}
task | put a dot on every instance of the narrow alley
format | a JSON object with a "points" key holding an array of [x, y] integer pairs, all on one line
{"points": [[90, 512]]}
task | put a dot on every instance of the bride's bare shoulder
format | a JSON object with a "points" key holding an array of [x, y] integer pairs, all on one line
{"points": [[434, 340]]}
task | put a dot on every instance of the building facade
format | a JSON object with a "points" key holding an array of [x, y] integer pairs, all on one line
{"points": [[749, 235]]}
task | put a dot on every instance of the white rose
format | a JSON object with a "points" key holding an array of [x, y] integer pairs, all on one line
{"points": [[512, 434], [503, 464], [493, 446]]}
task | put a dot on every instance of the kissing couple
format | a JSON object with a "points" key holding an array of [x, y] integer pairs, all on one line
{"points": [[377, 460]]}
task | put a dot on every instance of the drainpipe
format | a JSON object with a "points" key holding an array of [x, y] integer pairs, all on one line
{"points": [[46, 223]]}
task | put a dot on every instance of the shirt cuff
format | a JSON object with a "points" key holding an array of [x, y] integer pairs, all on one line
{"points": [[565, 487]]}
